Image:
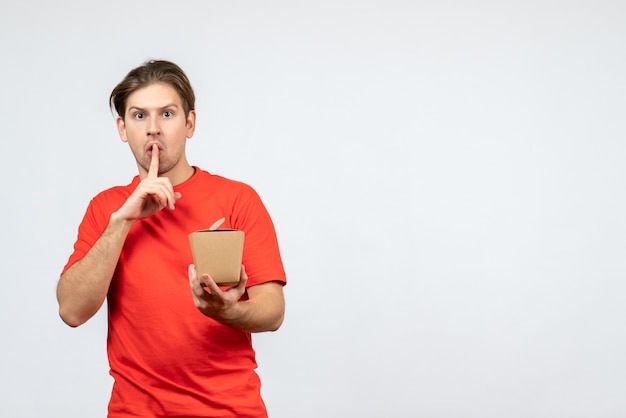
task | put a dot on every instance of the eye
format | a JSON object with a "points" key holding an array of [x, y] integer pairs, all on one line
{"points": [[168, 114], [138, 115]]}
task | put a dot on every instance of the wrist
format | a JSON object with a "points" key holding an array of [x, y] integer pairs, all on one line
{"points": [[233, 315], [116, 220]]}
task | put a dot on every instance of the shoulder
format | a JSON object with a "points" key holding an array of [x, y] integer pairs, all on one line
{"points": [[224, 184], [115, 194]]}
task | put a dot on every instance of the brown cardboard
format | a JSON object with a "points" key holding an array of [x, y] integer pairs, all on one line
{"points": [[218, 253]]}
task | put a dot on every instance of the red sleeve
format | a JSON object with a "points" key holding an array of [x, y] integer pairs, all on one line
{"points": [[91, 227], [261, 254]]}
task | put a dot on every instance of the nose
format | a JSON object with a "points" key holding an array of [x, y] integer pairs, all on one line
{"points": [[153, 127]]}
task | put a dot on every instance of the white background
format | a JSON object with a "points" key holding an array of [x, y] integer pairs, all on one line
{"points": [[446, 179]]}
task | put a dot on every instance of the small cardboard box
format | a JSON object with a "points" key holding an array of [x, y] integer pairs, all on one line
{"points": [[219, 253]]}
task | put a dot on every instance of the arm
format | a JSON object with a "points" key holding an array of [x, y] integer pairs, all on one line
{"points": [[82, 288], [264, 309]]}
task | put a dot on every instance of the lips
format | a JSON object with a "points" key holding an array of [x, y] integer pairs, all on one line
{"points": [[149, 148]]}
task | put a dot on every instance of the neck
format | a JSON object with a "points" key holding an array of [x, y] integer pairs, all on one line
{"points": [[180, 174]]}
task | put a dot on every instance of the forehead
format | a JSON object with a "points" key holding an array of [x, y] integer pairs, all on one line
{"points": [[157, 95]]}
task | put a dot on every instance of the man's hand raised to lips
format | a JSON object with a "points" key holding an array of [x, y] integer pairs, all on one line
{"points": [[151, 195]]}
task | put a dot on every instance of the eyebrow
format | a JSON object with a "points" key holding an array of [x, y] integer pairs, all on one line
{"points": [[171, 105]]}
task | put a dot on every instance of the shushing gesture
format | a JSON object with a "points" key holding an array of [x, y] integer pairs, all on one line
{"points": [[151, 195]]}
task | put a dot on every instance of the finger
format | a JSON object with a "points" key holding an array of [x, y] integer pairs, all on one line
{"points": [[200, 296], [163, 193], [172, 200], [211, 285], [168, 196], [153, 172], [191, 273], [243, 278], [194, 283]]}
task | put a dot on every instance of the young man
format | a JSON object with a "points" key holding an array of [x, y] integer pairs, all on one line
{"points": [[178, 344]]}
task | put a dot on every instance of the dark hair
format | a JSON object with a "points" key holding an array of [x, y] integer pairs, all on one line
{"points": [[150, 72]]}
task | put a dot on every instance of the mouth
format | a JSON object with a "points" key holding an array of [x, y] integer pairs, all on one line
{"points": [[149, 148]]}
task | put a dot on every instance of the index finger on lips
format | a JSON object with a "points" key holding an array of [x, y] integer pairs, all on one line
{"points": [[153, 172]]}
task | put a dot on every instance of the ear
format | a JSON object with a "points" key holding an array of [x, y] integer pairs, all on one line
{"points": [[121, 129], [191, 123]]}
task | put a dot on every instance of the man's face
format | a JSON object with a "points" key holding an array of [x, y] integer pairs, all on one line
{"points": [[155, 115]]}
